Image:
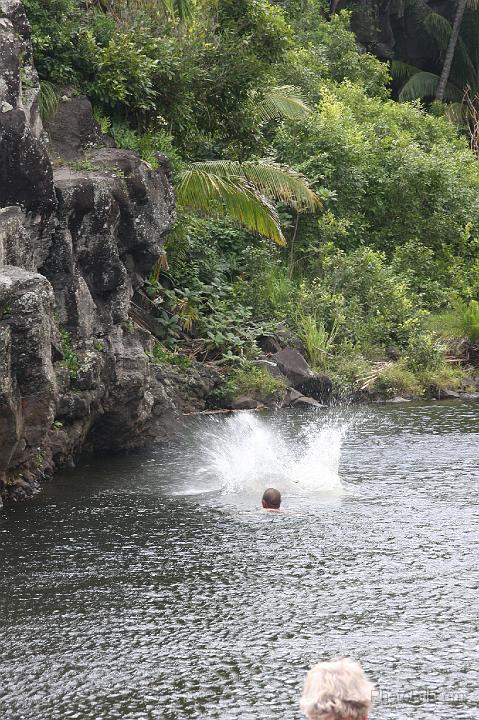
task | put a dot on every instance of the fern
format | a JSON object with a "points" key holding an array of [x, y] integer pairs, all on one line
{"points": [[438, 28]]}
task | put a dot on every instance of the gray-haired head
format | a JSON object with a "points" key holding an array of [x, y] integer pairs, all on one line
{"points": [[337, 690]]}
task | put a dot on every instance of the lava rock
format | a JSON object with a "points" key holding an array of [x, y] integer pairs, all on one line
{"points": [[244, 402], [447, 395], [303, 401], [73, 128], [293, 366], [318, 387], [290, 397], [28, 408], [268, 344]]}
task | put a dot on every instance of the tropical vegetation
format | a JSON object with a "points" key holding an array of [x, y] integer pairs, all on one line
{"points": [[311, 202]]}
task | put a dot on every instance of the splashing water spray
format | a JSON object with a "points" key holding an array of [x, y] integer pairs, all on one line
{"points": [[245, 453]]}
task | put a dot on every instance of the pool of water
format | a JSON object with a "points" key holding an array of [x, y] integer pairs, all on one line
{"points": [[152, 585]]}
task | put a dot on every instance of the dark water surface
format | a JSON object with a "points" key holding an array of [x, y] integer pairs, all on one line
{"points": [[151, 586]]}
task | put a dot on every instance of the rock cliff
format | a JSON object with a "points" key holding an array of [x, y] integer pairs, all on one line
{"points": [[77, 238], [389, 28]]}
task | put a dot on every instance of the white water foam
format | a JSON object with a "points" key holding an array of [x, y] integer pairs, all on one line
{"points": [[246, 452]]}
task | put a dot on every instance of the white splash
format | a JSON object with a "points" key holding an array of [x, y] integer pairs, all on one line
{"points": [[246, 453]]}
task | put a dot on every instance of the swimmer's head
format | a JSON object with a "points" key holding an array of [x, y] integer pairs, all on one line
{"points": [[271, 499]]}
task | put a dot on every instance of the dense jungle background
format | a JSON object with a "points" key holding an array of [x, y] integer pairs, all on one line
{"points": [[325, 164]]}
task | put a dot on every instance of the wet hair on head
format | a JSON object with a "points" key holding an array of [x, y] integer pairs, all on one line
{"points": [[272, 498]]}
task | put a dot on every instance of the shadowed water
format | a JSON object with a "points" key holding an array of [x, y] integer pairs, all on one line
{"points": [[152, 586]]}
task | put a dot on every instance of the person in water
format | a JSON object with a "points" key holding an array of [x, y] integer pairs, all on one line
{"points": [[337, 690], [271, 499]]}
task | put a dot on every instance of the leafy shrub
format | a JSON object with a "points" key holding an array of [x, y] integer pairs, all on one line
{"points": [[251, 380], [161, 356], [70, 357], [435, 381], [398, 174], [361, 296], [147, 144], [397, 380], [348, 369], [424, 352]]}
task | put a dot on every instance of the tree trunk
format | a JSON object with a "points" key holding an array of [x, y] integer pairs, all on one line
{"points": [[451, 48]]}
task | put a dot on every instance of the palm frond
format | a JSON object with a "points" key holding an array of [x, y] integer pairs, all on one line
{"points": [[280, 102], [270, 179], [438, 28], [206, 191], [403, 71], [423, 85]]}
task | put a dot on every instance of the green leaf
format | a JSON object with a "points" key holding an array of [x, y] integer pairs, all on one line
{"points": [[207, 192], [280, 102], [270, 179], [423, 85]]}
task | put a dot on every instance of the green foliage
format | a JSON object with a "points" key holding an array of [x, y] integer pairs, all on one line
{"points": [[70, 357], [469, 318], [422, 372], [54, 29], [317, 341], [122, 72], [161, 356], [48, 100], [461, 321], [443, 378], [424, 352], [147, 145], [249, 379], [39, 459], [391, 231], [397, 380], [433, 31], [358, 298], [207, 315], [243, 191], [282, 102], [397, 174]]}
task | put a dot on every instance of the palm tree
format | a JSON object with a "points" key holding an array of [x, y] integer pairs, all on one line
{"points": [[245, 191], [461, 64], [451, 49]]}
